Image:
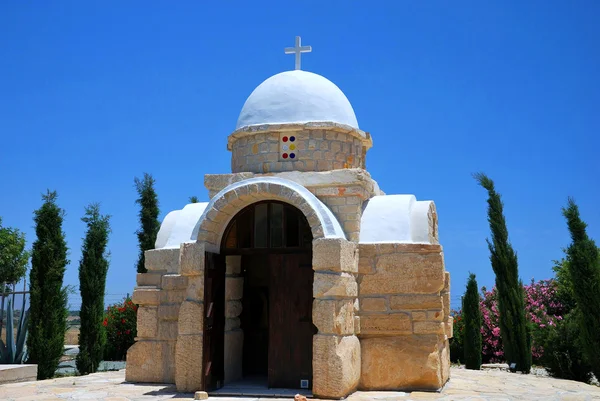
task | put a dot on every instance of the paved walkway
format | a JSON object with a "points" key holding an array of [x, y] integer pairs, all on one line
{"points": [[464, 385]]}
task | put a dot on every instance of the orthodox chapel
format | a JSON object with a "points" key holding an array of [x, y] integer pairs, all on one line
{"points": [[299, 272]]}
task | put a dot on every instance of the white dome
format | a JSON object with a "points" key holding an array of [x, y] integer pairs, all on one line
{"points": [[296, 97]]}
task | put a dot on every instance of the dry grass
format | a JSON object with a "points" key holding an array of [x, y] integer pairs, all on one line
{"points": [[72, 336]]}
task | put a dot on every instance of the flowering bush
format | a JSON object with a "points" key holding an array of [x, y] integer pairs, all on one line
{"points": [[543, 309], [456, 342], [120, 321]]}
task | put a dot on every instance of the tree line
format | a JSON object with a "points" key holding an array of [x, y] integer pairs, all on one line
{"points": [[49, 257], [572, 346]]}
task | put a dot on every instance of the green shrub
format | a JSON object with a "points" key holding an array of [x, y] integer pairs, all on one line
{"points": [[120, 321], [562, 354]]}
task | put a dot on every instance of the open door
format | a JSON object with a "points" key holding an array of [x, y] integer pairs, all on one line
{"points": [[290, 321], [214, 321]]}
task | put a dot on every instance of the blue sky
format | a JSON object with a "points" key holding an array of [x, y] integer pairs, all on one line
{"points": [[93, 94]]}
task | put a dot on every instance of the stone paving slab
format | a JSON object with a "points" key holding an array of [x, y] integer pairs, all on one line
{"points": [[489, 385]]}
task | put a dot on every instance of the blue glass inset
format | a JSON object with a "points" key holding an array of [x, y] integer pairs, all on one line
{"points": [[292, 155], [292, 138]]}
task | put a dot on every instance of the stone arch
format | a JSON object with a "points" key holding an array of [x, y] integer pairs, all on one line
{"points": [[225, 205]]}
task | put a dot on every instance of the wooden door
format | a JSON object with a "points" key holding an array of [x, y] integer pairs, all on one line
{"points": [[290, 320], [214, 321]]}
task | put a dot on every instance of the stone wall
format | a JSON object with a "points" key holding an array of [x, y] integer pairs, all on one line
{"points": [[159, 294], [405, 323], [317, 149]]}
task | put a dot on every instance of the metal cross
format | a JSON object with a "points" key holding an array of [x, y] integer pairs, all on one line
{"points": [[297, 50]]}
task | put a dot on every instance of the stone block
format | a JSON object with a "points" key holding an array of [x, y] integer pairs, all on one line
{"points": [[335, 255], [367, 255], [394, 324], [167, 330], [168, 311], [191, 318], [373, 304], [446, 301], [233, 264], [401, 273], [188, 363], [151, 279], [418, 316], [191, 258], [233, 308], [200, 395], [416, 301], [234, 288], [147, 321], [172, 296], [334, 285], [336, 365], [447, 282], [234, 344], [10, 373], [435, 315], [232, 323], [420, 367], [173, 282], [146, 296], [449, 329], [145, 362], [195, 289], [164, 259], [333, 316], [429, 327]]}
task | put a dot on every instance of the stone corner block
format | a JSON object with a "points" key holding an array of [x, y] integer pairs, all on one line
{"points": [[188, 363], [145, 362], [164, 259], [336, 365], [450, 327], [191, 318], [174, 282], [334, 316], [335, 255], [334, 285], [147, 321], [146, 296], [149, 279], [191, 258]]}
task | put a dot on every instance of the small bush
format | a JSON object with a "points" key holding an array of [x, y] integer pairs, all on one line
{"points": [[562, 355], [120, 321]]}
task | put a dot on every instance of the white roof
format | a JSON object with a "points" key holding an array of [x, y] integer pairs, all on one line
{"points": [[395, 219], [296, 97]]}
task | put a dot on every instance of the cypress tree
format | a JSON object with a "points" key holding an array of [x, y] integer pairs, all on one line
{"points": [[149, 224], [514, 331], [472, 342], [48, 297], [93, 268], [584, 271]]}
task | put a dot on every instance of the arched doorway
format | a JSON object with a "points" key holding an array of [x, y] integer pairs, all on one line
{"points": [[273, 242]]}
